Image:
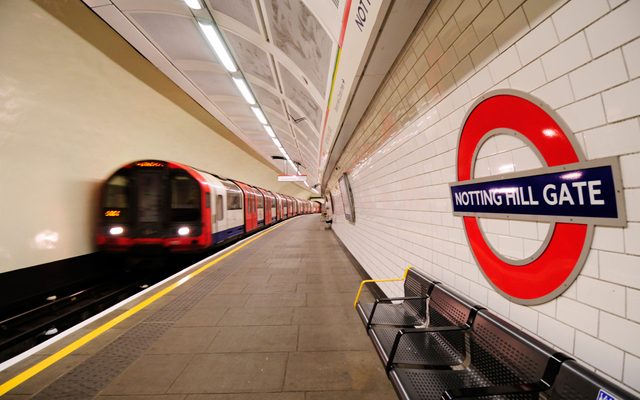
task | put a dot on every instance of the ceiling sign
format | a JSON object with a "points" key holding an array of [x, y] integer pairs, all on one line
{"points": [[570, 193], [292, 178]]}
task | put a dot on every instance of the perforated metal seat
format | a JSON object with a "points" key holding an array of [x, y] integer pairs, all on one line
{"points": [[502, 362], [411, 309], [442, 342], [391, 314], [435, 349]]}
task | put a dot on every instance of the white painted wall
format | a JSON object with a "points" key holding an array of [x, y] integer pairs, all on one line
{"points": [[581, 57], [70, 115]]}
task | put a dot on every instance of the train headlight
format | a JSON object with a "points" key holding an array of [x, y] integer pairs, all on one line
{"points": [[183, 231], [116, 230]]}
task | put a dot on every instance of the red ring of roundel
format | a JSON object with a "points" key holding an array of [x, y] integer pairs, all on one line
{"points": [[547, 273]]}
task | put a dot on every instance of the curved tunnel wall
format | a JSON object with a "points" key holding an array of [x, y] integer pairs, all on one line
{"points": [[77, 102], [579, 57]]}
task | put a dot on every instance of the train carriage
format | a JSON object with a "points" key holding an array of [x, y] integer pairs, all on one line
{"points": [[269, 206]]}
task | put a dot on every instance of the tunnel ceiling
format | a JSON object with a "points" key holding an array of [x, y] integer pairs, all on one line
{"points": [[285, 49]]}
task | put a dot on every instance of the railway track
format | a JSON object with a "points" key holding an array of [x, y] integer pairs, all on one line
{"points": [[27, 327]]}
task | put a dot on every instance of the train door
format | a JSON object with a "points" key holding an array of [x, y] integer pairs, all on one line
{"points": [[260, 205], [267, 201], [278, 201], [149, 196], [250, 207], [285, 207], [273, 207]]}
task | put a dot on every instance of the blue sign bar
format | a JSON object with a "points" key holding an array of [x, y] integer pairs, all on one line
{"points": [[583, 193]]}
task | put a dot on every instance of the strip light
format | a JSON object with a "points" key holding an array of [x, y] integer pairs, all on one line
{"points": [[244, 90], [213, 36], [194, 4], [258, 112], [269, 131]]}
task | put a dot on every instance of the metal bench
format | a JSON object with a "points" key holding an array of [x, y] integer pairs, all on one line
{"points": [[574, 382], [499, 361], [435, 344], [441, 343], [410, 312]]}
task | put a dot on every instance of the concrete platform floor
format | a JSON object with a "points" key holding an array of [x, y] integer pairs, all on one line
{"points": [[272, 321]]}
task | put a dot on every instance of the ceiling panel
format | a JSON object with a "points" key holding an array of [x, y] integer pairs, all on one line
{"points": [[251, 58], [212, 84], [240, 10], [176, 35], [300, 97], [236, 109], [248, 125], [277, 120], [299, 34], [171, 6], [267, 99]]}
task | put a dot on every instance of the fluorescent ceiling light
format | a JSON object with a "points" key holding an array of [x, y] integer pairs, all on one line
{"points": [[244, 89], [195, 4], [269, 131], [213, 36], [276, 142], [284, 153], [258, 112]]}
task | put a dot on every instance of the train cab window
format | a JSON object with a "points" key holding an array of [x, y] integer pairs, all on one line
{"points": [[234, 196], [185, 197], [219, 208], [117, 192]]}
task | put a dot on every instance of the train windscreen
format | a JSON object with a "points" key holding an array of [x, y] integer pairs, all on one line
{"points": [[116, 199], [116, 194], [185, 197]]}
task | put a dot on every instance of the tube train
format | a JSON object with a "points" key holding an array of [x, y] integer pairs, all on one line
{"points": [[154, 205]]}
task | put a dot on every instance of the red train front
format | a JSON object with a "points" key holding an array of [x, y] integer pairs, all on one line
{"points": [[154, 204]]}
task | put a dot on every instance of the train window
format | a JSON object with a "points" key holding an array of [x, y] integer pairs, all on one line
{"points": [[117, 192], [185, 197], [260, 201], [234, 196], [219, 208]]}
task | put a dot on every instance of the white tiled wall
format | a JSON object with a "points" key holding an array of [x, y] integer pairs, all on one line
{"points": [[581, 57]]}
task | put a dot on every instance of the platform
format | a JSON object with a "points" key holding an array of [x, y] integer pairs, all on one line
{"points": [[272, 320]]}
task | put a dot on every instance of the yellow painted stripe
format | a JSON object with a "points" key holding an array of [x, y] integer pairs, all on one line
{"points": [[335, 75], [52, 359]]}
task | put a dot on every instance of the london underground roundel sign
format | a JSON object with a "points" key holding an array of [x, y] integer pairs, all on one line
{"points": [[570, 193]]}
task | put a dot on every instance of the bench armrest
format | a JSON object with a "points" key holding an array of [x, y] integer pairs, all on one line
{"points": [[474, 392], [389, 300], [408, 331]]}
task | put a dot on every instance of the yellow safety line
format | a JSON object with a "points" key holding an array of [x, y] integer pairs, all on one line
{"points": [[404, 276], [52, 359]]}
